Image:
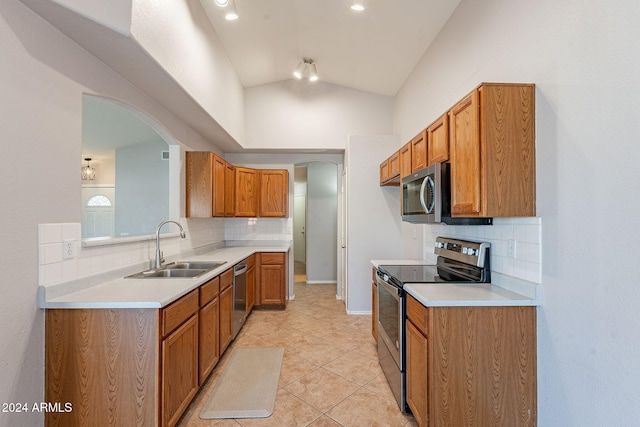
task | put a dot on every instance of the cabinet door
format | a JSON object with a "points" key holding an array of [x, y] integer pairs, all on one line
{"points": [[246, 195], [419, 151], [438, 137], [199, 184], [226, 318], [229, 190], [209, 346], [179, 371], [273, 281], [394, 165], [417, 374], [405, 160], [384, 172], [219, 172], [274, 193], [465, 157]]}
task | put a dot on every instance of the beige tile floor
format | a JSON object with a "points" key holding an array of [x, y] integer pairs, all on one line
{"points": [[330, 373]]}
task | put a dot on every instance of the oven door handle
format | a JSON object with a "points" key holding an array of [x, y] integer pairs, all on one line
{"points": [[394, 291]]}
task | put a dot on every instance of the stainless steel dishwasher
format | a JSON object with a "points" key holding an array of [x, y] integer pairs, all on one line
{"points": [[239, 296]]}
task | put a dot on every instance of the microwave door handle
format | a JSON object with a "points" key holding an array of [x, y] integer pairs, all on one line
{"points": [[427, 209]]}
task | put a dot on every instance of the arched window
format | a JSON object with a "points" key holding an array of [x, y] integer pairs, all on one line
{"points": [[99, 200]]}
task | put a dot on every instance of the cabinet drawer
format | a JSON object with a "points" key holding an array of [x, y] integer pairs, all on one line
{"points": [[209, 291], [273, 258], [417, 314], [179, 311], [226, 279]]}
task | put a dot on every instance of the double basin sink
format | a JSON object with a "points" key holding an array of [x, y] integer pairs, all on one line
{"points": [[178, 269]]}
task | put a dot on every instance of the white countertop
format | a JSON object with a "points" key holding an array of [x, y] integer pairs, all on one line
{"points": [[146, 293], [463, 294], [503, 291]]}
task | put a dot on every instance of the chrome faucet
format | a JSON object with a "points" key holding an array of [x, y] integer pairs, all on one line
{"points": [[159, 258]]}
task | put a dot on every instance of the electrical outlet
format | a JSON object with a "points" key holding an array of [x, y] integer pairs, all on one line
{"points": [[68, 249], [511, 248]]}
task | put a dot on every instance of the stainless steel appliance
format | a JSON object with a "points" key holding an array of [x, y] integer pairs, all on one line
{"points": [[239, 296], [426, 198], [460, 261]]}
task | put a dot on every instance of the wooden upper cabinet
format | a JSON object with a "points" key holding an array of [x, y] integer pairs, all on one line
{"points": [[246, 193], [229, 190], [274, 193], [438, 137], [199, 183], [465, 157], [384, 172], [492, 149], [405, 160], [219, 173], [390, 170], [419, 151], [205, 184]]}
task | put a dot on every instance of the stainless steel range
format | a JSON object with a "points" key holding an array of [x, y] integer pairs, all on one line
{"points": [[459, 261]]}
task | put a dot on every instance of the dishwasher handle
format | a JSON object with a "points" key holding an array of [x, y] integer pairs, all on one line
{"points": [[239, 269]]}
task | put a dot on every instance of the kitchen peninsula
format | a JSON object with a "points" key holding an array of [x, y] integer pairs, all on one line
{"points": [[135, 351]]}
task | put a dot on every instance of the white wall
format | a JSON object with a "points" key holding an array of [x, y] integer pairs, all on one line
{"points": [[296, 115], [179, 36], [42, 78], [322, 222], [584, 59], [373, 220]]}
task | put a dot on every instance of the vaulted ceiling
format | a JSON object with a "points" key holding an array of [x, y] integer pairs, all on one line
{"points": [[372, 50]]}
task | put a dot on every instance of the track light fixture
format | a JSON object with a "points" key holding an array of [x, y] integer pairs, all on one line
{"points": [[306, 69], [230, 13]]}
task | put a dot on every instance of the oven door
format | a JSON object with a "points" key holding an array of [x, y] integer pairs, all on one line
{"points": [[391, 320]]}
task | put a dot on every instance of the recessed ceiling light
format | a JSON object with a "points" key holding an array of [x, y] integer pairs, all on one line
{"points": [[357, 5], [222, 3]]}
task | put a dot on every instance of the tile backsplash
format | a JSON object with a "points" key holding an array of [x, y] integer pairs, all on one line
{"points": [[97, 259], [524, 234]]}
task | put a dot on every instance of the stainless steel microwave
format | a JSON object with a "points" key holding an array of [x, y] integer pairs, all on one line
{"points": [[426, 198]]}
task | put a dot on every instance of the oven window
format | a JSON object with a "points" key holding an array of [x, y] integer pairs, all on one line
{"points": [[389, 315]]}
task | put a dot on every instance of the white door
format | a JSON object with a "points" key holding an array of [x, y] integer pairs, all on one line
{"points": [[343, 237], [299, 224], [98, 204]]}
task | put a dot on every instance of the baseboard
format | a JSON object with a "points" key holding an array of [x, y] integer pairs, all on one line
{"points": [[321, 282], [359, 313]]}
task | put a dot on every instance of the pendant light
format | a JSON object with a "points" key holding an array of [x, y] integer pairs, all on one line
{"points": [[87, 172]]}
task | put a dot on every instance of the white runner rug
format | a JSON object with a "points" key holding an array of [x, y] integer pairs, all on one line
{"points": [[247, 387]]}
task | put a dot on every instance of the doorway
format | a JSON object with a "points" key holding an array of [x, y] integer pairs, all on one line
{"points": [[315, 223]]}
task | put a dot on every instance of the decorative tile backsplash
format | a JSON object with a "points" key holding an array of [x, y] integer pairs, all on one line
{"points": [[97, 259], [524, 234]]}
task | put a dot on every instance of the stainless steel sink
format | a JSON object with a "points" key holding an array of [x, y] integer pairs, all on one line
{"points": [[167, 273], [179, 269], [194, 265]]}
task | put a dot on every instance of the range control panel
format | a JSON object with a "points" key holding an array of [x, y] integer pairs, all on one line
{"points": [[467, 251]]}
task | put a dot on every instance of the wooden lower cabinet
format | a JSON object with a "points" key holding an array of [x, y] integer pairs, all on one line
{"points": [[226, 316], [179, 380], [471, 365], [105, 363], [418, 379], [272, 273], [209, 325]]}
